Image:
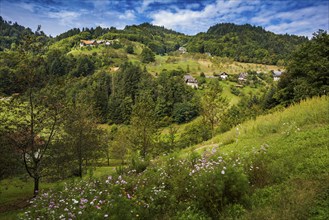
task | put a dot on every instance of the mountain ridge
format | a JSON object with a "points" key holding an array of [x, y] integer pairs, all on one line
{"points": [[244, 43]]}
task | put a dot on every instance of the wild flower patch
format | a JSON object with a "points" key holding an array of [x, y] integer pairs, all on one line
{"points": [[208, 185]]}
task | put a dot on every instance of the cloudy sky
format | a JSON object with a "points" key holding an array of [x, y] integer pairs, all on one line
{"points": [[300, 17]]}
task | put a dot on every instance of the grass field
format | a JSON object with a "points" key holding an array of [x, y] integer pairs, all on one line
{"points": [[293, 177], [208, 66]]}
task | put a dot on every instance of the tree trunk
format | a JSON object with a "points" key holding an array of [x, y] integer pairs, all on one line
{"points": [[36, 186], [80, 167]]}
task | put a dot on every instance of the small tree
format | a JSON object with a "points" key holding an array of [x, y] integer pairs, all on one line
{"points": [[32, 121], [33, 117], [81, 135], [130, 49], [143, 124], [120, 144], [213, 105], [147, 55]]}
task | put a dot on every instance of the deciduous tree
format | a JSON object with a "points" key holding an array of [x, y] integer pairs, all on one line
{"points": [[213, 105]]}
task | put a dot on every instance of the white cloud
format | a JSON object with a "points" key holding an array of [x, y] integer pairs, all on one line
{"points": [[273, 16], [192, 22], [128, 15], [193, 6], [100, 4], [27, 6], [303, 21], [146, 3], [69, 18]]}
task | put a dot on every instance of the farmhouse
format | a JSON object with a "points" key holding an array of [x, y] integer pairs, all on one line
{"points": [[223, 75], [87, 43], [84, 43], [191, 81], [242, 77], [182, 50], [276, 75]]}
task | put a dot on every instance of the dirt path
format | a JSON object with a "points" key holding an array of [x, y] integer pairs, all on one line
{"points": [[15, 205]]}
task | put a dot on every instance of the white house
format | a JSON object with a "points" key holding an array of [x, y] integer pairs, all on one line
{"points": [[242, 77], [182, 50], [191, 81], [223, 75], [276, 75]]}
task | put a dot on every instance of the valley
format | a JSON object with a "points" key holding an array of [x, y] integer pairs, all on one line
{"points": [[148, 123]]}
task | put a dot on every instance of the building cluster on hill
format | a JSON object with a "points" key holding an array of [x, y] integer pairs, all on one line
{"points": [[241, 79], [84, 43]]}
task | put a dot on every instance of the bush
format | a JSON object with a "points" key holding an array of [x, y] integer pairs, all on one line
{"points": [[184, 112], [217, 184], [139, 164], [235, 91], [195, 133], [130, 49]]}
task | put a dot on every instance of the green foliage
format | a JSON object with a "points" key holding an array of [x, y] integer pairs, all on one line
{"points": [[171, 90], [139, 164], [147, 55], [143, 125], [184, 112], [81, 137], [245, 43], [125, 87], [84, 67], [130, 49], [11, 34], [307, 73], [217, 189], [213, 105], [235, 91], [195, 133]]}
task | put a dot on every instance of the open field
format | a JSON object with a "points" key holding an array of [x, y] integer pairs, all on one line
{"points": [[209, 66]]}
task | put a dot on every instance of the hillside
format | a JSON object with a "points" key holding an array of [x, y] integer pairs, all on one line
{"points": [[11, 33], [241, 42], [252, 171], [245, 43]]}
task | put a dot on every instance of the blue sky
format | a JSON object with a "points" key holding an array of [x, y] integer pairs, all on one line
{"points": [[300, 17]]}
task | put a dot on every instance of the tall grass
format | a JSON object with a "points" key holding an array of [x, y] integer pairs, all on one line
{"points": [[304, 115]]}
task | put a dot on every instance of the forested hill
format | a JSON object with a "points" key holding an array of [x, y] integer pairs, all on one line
{"points": [[159, 39], [245, 43], [12, 33]]}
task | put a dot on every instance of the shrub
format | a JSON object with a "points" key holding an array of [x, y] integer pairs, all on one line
{"points": [[217, 184], [139, 164], [184, 112]]}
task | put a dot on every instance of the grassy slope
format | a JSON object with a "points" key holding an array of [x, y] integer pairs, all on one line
{"points": [[293, 180], [196, 66], [15, 192]]}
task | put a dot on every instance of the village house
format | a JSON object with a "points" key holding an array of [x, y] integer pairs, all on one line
{"points": [[87, 43], [191, 81], [276, 75], [84, 43], [242, 77], [182, 50], [223, 76]]}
